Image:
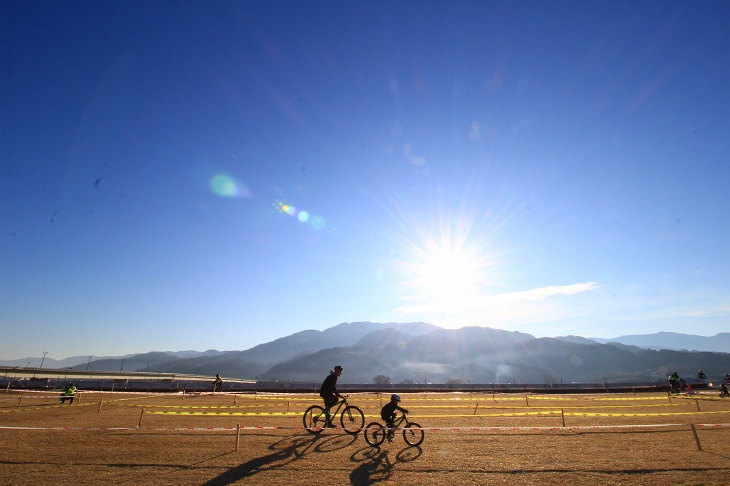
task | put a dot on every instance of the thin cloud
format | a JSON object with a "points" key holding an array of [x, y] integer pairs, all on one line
{"points": [[500, 299], [544, 292]]}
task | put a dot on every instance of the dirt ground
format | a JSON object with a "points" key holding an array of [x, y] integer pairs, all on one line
{"points": [[470, 438]]}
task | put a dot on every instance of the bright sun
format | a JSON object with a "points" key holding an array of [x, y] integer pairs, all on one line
{"points": [[445, 276]]}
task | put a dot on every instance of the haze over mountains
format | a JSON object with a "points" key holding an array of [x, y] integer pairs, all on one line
{"points": [[421, 352]]}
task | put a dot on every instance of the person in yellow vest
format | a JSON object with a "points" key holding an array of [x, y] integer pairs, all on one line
{"points": [[69, 393]]}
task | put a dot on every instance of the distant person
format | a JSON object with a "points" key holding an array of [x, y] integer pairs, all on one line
{"points": [[218, 383], [701, 376], [69, 393], [723, 391], [674, 382], [328, 392], [387, 413]]}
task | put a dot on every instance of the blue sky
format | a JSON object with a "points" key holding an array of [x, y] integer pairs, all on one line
{"points": [[197, 175]]}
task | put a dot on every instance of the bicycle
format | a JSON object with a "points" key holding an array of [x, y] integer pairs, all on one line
{"points": [[351, 418], [216, 387], [375, 432]]}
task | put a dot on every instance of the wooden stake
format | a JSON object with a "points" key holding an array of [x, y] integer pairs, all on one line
{"points": [[562, 414], [238, 434], [475, 408], [140, 419], [183, 393], [697, 439], [527, 403], [19, 401], [697, 404], [100, 402]]}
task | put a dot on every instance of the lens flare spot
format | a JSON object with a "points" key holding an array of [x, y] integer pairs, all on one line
{"points": [[223, 185], [318, 223], [303, 216]]}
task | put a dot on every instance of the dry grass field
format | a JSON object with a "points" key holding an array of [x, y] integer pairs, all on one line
{"points": [[476, 438]]}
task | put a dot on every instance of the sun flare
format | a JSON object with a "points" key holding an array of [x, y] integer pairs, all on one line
{"points": [[446, 276]]}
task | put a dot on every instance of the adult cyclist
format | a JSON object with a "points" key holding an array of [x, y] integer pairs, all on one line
{"points": [[328, 392], [218, 383]]}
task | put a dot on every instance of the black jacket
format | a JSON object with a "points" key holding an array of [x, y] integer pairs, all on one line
{"points": [[389, 409], [329, 386]]}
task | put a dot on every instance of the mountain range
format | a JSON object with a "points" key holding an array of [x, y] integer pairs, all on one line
{"points": [[421, 352]]}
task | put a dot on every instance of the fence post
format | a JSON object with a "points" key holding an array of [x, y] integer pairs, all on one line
{"points": [[697, 439]]}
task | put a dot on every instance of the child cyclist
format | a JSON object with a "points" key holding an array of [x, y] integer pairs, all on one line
{"points": [[387, 413]]}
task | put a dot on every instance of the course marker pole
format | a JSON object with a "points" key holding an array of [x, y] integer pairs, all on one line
{"points": [[139, 424], [475, 408], [697, 404], [183, 394], [238, 433], [19, 400], [7, 387], [100, 402], [697, 439], [527, 404], [562, 414]]}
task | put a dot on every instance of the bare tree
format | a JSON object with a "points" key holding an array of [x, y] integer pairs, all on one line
{"points": [[381, 380]]}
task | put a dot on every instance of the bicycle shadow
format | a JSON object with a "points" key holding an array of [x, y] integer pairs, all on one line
{"points": [[285, 451], [377, 466]]}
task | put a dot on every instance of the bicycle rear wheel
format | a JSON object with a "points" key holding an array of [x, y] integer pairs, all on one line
{"points": [[314, 419], [374, 434], [352, 419], [413, 434]]}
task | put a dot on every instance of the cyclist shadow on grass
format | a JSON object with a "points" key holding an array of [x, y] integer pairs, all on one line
{"points": [[377, 465], [285, 451]]}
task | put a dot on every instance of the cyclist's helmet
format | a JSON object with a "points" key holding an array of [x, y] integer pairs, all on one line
{"points": [[338, 368], [395, 397]]}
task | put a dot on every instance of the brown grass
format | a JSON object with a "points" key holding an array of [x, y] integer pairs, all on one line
{"points": [[76, 444]]}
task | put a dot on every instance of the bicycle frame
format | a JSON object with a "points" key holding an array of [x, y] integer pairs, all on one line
{"points": [[375, 433], [351, 417]]}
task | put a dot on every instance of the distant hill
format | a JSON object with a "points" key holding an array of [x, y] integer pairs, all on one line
{"points": [[676, 341], [421, 352], [482, 355]]}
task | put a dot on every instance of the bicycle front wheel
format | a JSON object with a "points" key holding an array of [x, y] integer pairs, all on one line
{"points": [[314, 419], [413, 434], [352, 419], [374, 434]]}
